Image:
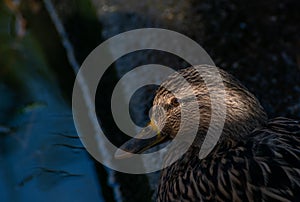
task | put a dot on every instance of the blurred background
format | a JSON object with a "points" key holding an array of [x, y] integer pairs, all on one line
{"points": [[44, 42]]}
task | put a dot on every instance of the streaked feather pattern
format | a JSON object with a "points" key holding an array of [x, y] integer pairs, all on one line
{"points": [[264, 166]]}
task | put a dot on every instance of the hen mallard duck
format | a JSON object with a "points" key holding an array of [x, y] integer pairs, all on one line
{"points": [[255, 159]]}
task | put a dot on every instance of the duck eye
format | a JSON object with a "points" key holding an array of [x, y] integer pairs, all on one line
{"points": [[174, 102]]}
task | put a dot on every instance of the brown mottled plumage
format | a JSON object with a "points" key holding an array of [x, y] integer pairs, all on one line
{"points": [[254, 160]]}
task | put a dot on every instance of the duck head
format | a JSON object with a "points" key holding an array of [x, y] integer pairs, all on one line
{"points": [[243, 111]]}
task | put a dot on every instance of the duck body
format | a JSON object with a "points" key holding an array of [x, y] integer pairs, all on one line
{"points": [[265, 166], [254, 159]]}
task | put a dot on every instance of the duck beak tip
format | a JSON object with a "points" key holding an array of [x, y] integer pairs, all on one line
{"points": [[146, 139]]}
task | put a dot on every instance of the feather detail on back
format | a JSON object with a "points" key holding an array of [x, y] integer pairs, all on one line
{"points": [[265, 166]]}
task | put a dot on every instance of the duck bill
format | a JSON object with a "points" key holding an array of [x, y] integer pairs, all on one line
{"points": [[147, 138]]}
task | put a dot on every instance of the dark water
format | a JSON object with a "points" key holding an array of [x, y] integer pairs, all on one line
{"points": [[41, 158]]}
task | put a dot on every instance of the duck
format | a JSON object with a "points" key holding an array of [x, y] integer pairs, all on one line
{"points": [[254, 159]]}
